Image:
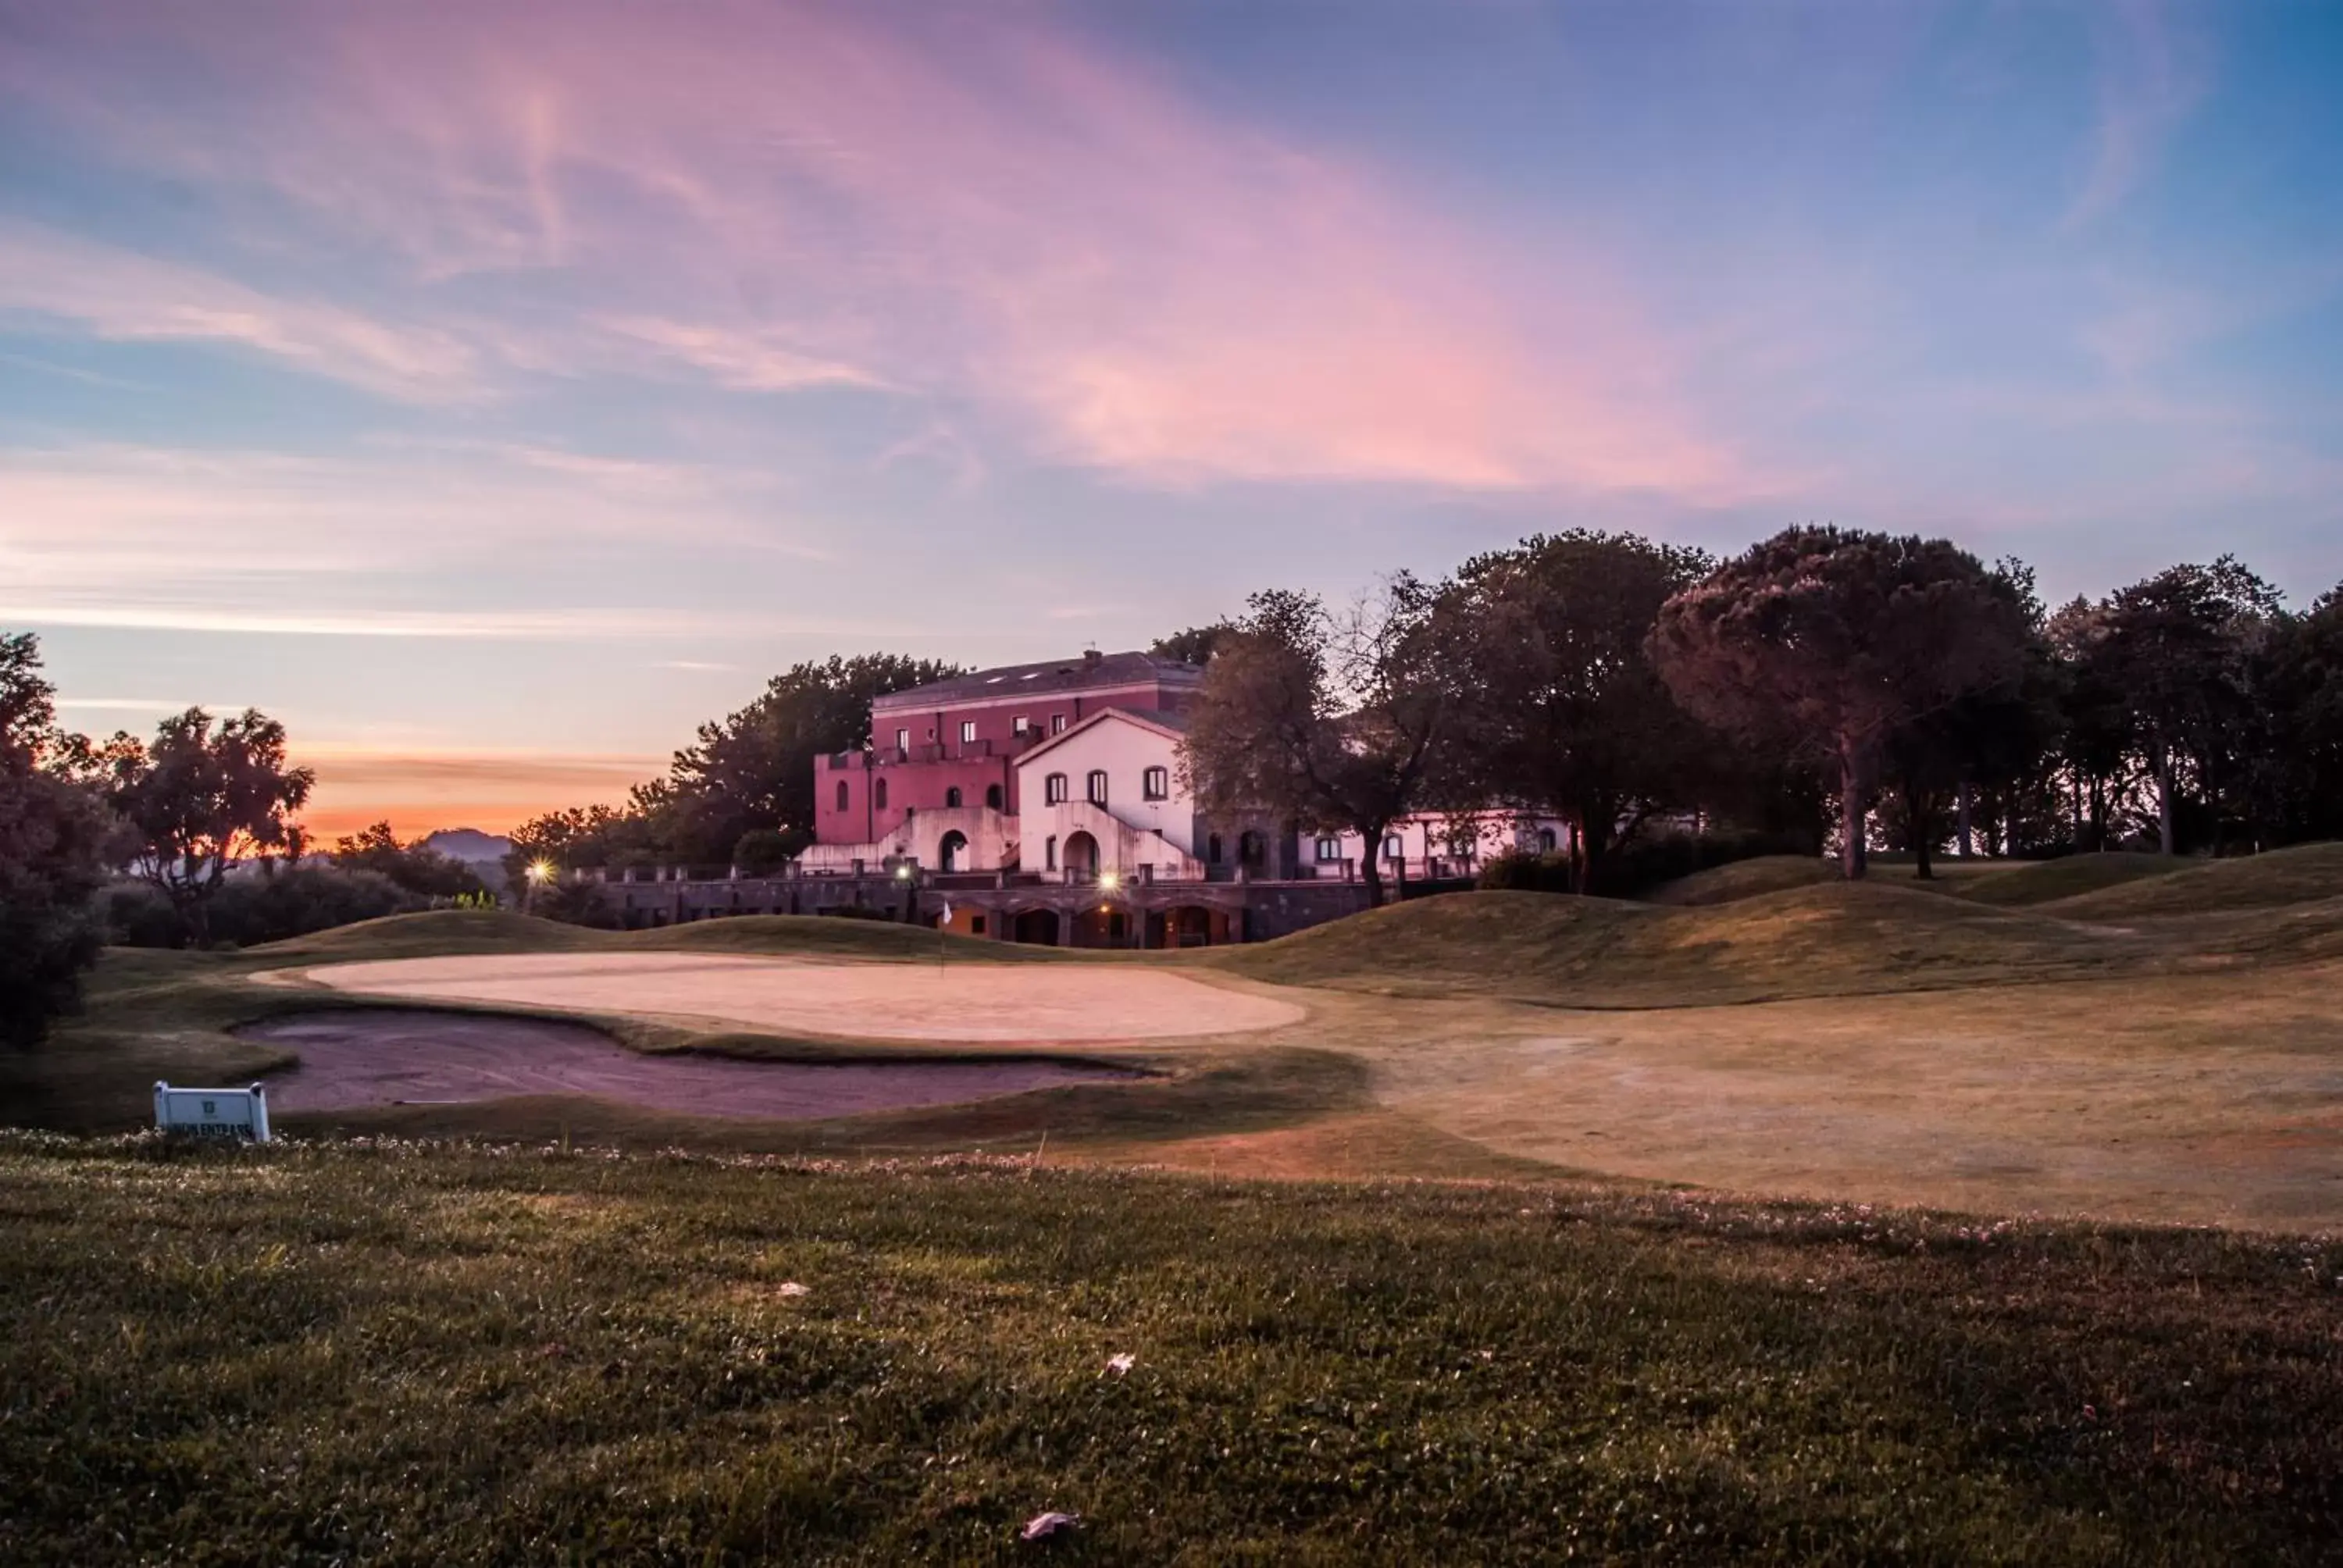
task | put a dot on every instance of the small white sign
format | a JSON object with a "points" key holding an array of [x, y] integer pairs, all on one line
{"points": [[212, 1112]]}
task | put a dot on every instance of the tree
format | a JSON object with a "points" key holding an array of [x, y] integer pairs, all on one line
{"points": [[1194, 644], [1826, 640], [1994, 739], [52, 834], [413, 867], [2300, 684], [1561, 709], [1330, 722], [201, 799], [755, 769], [2177, 648]]}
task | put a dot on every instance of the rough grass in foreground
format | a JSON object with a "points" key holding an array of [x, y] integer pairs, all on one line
{"points": [[409, 1354]]}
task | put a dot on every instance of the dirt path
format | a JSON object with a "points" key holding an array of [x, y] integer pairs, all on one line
{"points": [[992, 1003], [351, 1059]]}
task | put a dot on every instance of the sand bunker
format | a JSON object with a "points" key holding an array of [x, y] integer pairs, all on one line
{"points": [[968, 1002], [350, 1060]]}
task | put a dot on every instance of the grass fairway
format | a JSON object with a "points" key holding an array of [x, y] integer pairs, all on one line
{"points": [[393, 1353]]}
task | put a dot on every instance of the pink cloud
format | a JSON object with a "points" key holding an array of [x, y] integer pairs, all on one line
{"points": [[978, 206]]}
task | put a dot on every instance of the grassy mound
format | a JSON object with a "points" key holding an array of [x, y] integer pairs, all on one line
{"points": [[2301, 875], [447, 933], [436, 934], [2024, 886], [412, 1354], [826, 936], [1742, 879], [1831, 939]]}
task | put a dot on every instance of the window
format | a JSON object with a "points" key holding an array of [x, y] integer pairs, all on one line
{"points": [[1393, 850], [903, 742], [993, 796], [1155, 784], [1096, 789], [879, 795], [1020, 724], [951, 799], [1212, 849], [842, 794], [968, 732], [1057, 724], [1049, 853], [1054, 791], [976, 925], [1545, 839], [1329, 850]]}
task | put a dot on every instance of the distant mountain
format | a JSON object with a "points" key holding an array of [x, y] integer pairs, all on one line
{"points": [[469, 845]]}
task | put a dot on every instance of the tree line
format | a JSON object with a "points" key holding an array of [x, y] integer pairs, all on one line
{"points": [[190, 837], [1860, 689], [1824, 687]]}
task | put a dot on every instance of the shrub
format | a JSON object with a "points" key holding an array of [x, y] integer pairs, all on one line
{"points": [[761, 849], [263, 907], [1639, 865]]}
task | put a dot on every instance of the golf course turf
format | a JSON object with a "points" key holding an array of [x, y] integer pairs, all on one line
{"points": [[1914, 1309]]}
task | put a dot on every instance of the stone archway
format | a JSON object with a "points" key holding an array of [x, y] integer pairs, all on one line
{"points": [[951, 852], [1080, 854], [1037, 928]]}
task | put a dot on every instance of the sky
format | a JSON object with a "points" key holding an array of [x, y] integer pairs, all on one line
{"points": [[493, 392]]}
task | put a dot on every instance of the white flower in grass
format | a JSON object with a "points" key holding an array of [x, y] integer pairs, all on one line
{"points": [[1121, 1364], [1041, 1526]]}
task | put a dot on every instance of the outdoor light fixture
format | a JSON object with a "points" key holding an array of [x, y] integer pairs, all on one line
{"points": [[902, 873], [1108, 880], [540, 870]]}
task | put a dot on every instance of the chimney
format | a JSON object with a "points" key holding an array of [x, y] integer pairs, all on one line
{"points": [[1090, 657]]}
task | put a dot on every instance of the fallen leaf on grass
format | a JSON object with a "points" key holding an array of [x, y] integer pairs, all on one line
{"points": [[1121, 1364], [791, 1288]]}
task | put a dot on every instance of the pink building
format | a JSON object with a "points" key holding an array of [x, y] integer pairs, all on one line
{"points": [[953, 745]]}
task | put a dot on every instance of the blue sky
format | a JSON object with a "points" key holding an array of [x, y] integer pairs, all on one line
{"points": [[493, 392]]}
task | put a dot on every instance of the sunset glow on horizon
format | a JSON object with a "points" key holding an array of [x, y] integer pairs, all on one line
{"points": [[494, 392]]}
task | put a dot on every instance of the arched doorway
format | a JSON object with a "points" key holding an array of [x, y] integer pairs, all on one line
{"points": [[952, 854], [1191, 926], [1252, 850], [1037, 927], [1081, 854]]}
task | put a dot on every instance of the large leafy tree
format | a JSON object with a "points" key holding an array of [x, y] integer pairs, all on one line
{"points": [[1329, 720], [52, 838], [754, 769], [2300, 682], [2177, 650], [1561, 709], [1828, 640], [750, 773], [1996, 740], [202, 797]]}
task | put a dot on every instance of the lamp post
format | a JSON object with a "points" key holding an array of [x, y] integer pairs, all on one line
{"points": [[540, 873]]}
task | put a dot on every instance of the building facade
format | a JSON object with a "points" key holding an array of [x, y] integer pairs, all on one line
{"points": [[1044, 803]]}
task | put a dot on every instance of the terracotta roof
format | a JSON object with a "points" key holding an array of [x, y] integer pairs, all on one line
{"points": [[1078, 673]]}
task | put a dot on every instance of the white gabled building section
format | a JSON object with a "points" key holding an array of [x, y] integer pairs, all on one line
{"points": [[1106, 796]]}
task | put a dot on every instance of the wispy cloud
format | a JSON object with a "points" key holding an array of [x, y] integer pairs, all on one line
{"points": [[990, 212], [119, 295], [2152, 73]]}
